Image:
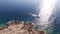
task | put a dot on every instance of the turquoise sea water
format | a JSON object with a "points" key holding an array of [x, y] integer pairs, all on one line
{"points": [[21, 17]]}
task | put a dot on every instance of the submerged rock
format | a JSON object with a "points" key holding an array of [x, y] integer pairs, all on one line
{"points": [[19, 27]]}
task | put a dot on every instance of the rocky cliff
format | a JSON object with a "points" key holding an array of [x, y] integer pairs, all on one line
{"points": [[17, 27]]}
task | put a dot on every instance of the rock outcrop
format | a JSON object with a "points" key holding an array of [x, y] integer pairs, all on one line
{"points": [[16, 27]]}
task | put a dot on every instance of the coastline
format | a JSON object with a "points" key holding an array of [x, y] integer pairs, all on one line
{"points": [[20, 27]]}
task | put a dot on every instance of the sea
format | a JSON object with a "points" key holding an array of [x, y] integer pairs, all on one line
{"points": [[14, 10]]}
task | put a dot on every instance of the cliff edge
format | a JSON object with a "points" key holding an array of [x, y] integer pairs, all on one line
{"points": [[16, 27]]}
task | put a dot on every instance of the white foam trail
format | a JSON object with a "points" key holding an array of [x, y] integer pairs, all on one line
{"points": [[34, 15], [45, 13]]}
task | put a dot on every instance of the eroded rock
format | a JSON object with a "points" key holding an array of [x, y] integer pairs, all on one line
{"points": [[17, 27]]}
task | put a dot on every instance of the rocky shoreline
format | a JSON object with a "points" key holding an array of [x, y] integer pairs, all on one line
{"points": [[20, 27]]}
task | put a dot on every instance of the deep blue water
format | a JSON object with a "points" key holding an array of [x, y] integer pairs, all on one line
{"points": [[11, 10], [15, 10], [21, 14]]}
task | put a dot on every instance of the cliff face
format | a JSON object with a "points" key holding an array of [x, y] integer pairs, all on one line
{"points": [[19, 28]]}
